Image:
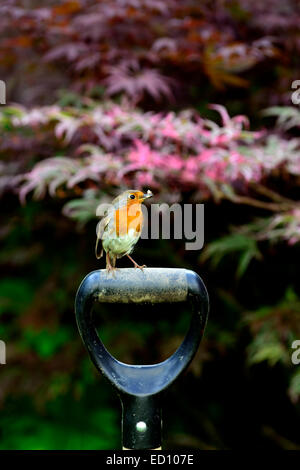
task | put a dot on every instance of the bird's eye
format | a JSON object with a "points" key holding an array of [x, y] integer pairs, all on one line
{"points": [[132, 196]]}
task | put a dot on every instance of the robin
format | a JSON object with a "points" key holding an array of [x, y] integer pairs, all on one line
{"points": [[121, 227]]}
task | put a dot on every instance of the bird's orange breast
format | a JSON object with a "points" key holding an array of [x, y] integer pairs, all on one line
{"points": [[128, 217]]}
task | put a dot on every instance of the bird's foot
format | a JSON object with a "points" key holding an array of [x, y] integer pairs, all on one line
{"points": [[140, 267], [136, 265], [110, 267]]}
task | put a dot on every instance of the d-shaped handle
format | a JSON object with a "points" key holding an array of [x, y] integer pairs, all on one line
{"points": [[140, 386]]}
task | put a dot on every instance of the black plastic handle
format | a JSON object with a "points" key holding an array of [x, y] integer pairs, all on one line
{"points": [[140, 386]]}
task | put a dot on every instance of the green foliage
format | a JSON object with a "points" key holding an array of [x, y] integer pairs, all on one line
{"points": [[59, 427], [83, 209], [294, 388], [287, 116], [15, 295], [45, 342], [275, 328], [266, 347], [236, 243]]}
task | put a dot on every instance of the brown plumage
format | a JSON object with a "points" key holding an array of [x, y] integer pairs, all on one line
{"points": [[121, 227]]}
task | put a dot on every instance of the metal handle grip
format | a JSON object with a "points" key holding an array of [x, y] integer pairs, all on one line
{"points": [[140, 386], [154, 285]]}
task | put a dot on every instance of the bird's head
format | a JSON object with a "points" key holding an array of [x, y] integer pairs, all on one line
{"points": [[132, 196]]}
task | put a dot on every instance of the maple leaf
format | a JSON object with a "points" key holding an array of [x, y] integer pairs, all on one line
{"points": [[70, 51], [88, 61], [130, 78]]}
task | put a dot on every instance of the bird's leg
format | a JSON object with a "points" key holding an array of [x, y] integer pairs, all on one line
{"points": [[137, 265], [111, 264], [109, 267], [113, 261]]}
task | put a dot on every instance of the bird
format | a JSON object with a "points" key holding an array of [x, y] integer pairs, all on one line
{"points": [[120, 228]]}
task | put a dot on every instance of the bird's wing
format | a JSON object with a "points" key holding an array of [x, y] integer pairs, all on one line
{"points": [[100, 231], [108, 217]]}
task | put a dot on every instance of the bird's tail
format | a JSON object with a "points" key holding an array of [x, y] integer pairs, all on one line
{"points": [[98, 255]]}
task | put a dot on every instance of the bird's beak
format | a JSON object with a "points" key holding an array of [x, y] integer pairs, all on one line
{"points": [[147, 194]]}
